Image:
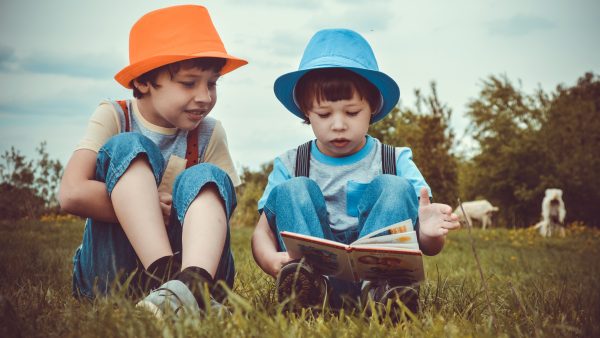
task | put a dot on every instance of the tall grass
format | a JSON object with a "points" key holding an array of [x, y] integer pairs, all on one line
{"points": [[538, 288]]}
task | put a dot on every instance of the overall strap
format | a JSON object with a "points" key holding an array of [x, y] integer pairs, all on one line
{"points": [[191, 151], [303, 160], [125, 109], [388, 159], [197, 141]]}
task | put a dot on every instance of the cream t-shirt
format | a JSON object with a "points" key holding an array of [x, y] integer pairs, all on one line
{"points": [[104, 123]]}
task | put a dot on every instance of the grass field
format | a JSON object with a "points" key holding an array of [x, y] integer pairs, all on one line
{"points": [[537, 288]]}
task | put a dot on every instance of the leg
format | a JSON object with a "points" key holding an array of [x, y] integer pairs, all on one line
{"points": [[298, 206], [387, 200], [203, 201], [106, 252], [136, 191]]}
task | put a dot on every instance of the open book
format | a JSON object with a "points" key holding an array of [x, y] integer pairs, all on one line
{"points": [[378, 255]]}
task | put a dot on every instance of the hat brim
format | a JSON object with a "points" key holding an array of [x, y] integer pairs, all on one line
{"points": [[131, 72], [390, 92]]}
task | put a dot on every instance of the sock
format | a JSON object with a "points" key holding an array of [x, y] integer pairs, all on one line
{"points": [[196, 278], [159, 272]]}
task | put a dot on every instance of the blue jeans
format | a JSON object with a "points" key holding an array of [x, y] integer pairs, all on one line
{"points": [[106, 259], [298, 205]]}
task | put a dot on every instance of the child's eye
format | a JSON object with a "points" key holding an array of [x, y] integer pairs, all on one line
{"points": [[188, 84], [353, 113], [324, 115]]}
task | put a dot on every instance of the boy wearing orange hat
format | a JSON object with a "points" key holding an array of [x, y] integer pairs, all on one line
{"points": [[153, 175]]}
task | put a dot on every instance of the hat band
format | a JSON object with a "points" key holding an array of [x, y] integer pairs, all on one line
{"points": [[334, 61]]}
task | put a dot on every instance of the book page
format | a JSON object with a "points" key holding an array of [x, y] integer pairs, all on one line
{"points": [[405, 266], [404, 226], [407, 240], [326, 257]]}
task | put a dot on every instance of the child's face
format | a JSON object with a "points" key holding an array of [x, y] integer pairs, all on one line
{"points": [[181, 101], [340, 126]]}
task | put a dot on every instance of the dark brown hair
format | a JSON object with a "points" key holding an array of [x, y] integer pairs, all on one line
{"points": [[206, 63], [333, 84]]}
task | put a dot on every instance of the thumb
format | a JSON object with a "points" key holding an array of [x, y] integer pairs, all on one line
{"points": [[424, 197]]}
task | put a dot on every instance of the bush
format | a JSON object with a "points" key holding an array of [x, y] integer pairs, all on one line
{"points": [[28, 188]]}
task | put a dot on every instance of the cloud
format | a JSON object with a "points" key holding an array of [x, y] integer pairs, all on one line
{"points": [[361, 3], [7, 58], [302, 4], [375, 17], [87, 66], [287, 44], [519, 25], [94, 66]]}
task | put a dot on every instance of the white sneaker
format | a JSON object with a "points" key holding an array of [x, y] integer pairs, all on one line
{"points": [[173, 297]]}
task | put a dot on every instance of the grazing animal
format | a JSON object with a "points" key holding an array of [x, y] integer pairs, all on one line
{"points": [[480, 210], [553, 214]]}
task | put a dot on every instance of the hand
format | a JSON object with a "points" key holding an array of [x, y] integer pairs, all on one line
{"points": [[166, 201], [279, 259], [435, 219]]}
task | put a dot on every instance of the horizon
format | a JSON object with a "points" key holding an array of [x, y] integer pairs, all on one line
{"points": [[58, 59]]}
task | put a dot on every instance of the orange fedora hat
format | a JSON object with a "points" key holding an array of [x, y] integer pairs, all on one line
{"points": [[173, 34]]}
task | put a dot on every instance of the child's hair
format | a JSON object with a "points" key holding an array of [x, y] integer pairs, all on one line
{"points": [[204, 63], [334, 84]]}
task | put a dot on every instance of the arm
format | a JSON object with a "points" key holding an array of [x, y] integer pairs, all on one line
{"points": [[435, 220], [80, 194], [264, 248]]}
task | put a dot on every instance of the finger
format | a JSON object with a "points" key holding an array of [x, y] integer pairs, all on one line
{"points": [[424, 197], [166, 198], [445, 208], [165, 208], [451, 225]]}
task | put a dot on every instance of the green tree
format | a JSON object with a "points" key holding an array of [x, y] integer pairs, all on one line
{"points": [[48, 173], [506, 171], [28, 188], [571, 136], [426, 130], [529, 143], [18, 197], [253, 185]]}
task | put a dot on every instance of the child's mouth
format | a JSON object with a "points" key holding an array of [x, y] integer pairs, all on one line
{"points": [[340, 143], [196, 116]]}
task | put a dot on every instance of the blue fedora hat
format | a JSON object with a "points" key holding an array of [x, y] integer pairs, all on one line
{"points": [[339, 48]]}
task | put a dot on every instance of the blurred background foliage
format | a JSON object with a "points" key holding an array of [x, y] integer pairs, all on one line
{"points": [[516, 146]]}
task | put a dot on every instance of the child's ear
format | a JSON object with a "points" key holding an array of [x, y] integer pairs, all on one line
{"points": [[143, 87]]}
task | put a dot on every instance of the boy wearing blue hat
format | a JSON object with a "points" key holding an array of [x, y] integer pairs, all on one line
{"points": [[345, 184]]}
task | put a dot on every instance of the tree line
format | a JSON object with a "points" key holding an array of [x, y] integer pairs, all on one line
{"points": [[28, 188], [519, 145]]}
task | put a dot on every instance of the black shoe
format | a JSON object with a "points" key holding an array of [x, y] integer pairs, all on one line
{"points": [[382, 292], [298, 284], [158, 273], [208, 294]]}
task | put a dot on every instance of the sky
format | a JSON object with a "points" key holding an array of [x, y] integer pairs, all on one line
{"points": [[58, 59]]}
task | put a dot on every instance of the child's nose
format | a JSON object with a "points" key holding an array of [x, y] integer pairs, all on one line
{"points": [[339, 123], [202, 94]]}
